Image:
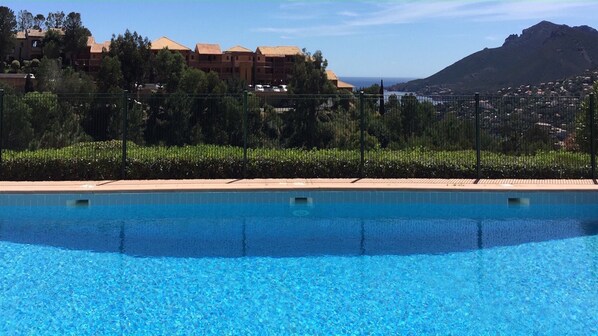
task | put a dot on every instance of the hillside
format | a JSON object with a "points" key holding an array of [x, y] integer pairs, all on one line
{"points": [[542, 53]]}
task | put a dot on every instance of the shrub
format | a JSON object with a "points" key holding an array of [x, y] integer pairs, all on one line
{"points": [[103, 160]]}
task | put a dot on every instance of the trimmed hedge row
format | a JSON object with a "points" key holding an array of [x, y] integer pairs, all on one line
{"points": [[103, 161]]}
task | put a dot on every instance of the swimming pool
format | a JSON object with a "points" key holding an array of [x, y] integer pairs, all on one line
{"points": [[299, 262]]}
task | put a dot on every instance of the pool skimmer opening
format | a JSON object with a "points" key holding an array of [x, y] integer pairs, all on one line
{"points": [[518, 202], [79, 203], [301, 206]]}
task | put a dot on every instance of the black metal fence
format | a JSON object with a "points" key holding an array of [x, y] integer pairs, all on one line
{"points": [[133, 135]]}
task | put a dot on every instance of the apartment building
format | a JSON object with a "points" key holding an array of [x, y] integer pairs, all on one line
{"points": [[271, 65]]}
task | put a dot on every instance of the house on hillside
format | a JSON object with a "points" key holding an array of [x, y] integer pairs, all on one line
{"points": [[29, 44]]}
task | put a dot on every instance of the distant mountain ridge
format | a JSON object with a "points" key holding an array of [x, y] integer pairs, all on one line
{"points": [[544, 52]]}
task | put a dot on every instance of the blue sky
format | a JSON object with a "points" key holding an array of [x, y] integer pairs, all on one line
{"points": [[359, 38]]}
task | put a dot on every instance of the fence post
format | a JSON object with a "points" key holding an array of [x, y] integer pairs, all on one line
{"points": [[1, 125], [477, 136], [245, 126], [361, 133], [592, 136], [124, 139]]}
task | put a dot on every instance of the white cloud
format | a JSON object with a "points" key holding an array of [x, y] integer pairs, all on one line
{"points": [[348, 13], [357, 16], [288, 33], [422, 11]]}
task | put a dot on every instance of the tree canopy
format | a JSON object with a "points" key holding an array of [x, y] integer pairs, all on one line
{"points": [[133, 52], [75, 36], [8, 26]]}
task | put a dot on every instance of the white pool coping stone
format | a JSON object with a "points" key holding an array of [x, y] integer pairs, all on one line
{"points": [[297, 184]]}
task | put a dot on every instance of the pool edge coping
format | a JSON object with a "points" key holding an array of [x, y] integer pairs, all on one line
{"points": [[240, 185]]}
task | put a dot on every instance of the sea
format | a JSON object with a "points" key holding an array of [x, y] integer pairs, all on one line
{"points": [[364, 82]]}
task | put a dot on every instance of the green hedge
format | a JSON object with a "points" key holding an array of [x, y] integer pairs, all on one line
{"points": [[103, 161]]}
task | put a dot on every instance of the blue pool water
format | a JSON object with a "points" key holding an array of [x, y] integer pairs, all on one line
{"points": [[413, 263]]}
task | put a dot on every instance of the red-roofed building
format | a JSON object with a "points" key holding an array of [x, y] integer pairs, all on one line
{"points": [[274, 65], [165, 42], [29, 44], [207, 57], [91, 59], [239, 64]]}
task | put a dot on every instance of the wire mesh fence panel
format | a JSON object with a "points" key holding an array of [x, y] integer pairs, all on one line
{"points": [[48, 136], [531, 137], [185, 136], [303, 136], [54, 136], [415, 136]]}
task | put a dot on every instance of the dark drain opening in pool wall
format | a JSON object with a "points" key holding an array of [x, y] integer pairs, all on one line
{"points": [[80, 203], [518, 202], [301, 201]]}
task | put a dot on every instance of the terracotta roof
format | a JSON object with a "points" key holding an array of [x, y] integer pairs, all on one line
{"points": [[343, 85], [238, 48], [339, 83], [165, 42], [98, 48], [208, 49], [331, 75], [278, 50], [35, 33]]}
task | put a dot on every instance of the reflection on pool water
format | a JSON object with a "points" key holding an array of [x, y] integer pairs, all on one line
{"points": [[395, 264]]}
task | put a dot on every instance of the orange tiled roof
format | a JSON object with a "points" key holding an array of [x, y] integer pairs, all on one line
{"points": [[21, 35], [331, 75], [343, 85], [97, 48], [165, 42], [36, 32], [238, 48], [208, 49], [339, 83], [278, 50]]}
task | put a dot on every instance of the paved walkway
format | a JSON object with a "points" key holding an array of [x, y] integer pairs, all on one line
{"points": [[283, 184]]}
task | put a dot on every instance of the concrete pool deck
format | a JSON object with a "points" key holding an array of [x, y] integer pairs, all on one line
{"points": [[295, 184]]}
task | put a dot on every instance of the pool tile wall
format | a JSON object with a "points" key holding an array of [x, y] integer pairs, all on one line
{"points": [[318, 196]]}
